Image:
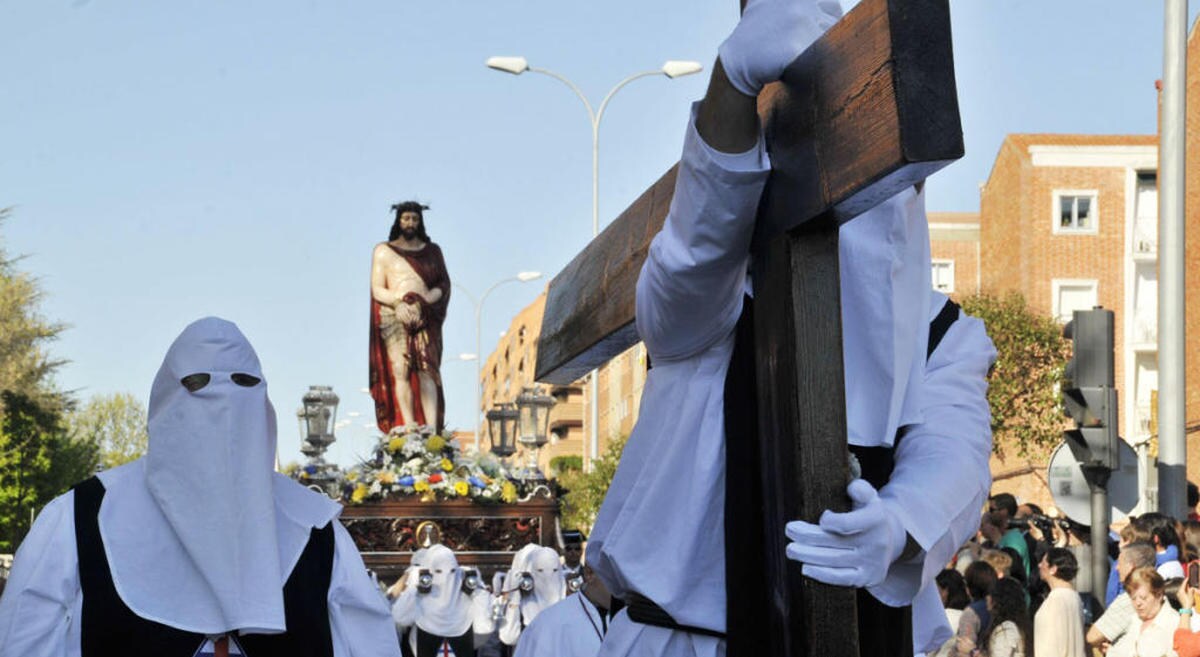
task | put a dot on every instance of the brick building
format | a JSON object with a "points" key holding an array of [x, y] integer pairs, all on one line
{"points": [[509, 369]]}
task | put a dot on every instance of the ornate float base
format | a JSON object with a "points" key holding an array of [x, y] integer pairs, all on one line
{"points": [[482, 535]]}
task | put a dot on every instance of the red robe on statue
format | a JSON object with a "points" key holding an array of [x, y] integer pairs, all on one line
{"points": [[424, 345]]}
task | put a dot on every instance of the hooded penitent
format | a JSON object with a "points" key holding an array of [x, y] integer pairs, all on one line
{"points": [[549, 586], [192, 540], [444, 611]]}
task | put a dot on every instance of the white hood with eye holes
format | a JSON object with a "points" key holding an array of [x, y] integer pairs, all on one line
{"points": [[549, 584], [200, 534]]}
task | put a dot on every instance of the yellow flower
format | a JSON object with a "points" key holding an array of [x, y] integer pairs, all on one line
{"points": [[435, 443], [352, 476], [359, 494], [447, 465], [421, 485], [508, 492], [395, 444], [387, 477], [461, 487]]}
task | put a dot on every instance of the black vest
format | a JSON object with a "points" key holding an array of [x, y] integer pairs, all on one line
{"points": [[110, 628]]}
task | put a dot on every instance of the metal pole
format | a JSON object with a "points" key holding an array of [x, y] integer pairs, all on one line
{"points": [[1097, 479], [594, 415], [1172, 445], [594, 116], [594, 378], [478, 376]]}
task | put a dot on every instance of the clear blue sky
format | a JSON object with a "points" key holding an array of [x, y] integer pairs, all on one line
{"points": [[176, 159]]}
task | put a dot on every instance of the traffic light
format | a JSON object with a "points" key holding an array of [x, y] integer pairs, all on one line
{"points": [[1088, 394]]}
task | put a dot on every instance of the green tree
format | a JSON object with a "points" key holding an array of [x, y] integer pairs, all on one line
{"points": [[1023, 387], [560, 465], [37, 462], [115, 424], [586, 490], [37, 459], [25, 363]]}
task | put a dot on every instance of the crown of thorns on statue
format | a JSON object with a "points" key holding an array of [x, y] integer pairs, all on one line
{"points": [[409, 206]]}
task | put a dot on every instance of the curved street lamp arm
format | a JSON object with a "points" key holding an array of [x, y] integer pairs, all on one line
{"points": [[472, 297], [591, 113], [622, 83]]}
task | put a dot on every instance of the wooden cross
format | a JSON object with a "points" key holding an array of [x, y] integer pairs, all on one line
{"points": [[867, 111]]}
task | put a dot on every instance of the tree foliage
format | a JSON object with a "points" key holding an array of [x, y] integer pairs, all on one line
{"points": [[1023, 387], [586, 490], [115, 424], [565, 463], [25, 362], [38, 460]]}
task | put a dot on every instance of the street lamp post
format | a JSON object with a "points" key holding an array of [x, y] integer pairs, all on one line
{"points": [[521, 277], [672, 69]]}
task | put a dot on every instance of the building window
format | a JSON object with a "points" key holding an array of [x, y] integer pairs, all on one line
{"points": [[943, 276], [1075, 211], [1070, 295]]}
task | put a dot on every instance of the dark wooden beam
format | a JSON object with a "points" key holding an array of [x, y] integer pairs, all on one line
{"points": [[801, 440], [869, 109]]}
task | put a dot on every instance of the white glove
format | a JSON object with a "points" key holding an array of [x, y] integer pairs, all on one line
{"points": [[771, 34], [850, 549]]}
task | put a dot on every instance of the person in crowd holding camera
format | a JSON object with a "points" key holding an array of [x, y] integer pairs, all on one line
{"points": [[572, 627], [535, 583], [1111, 627], [1058, 624], [1003, 507], [441, 606]]}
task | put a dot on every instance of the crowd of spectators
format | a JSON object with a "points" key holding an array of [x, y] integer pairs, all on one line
{"points": [[1023, 587]]}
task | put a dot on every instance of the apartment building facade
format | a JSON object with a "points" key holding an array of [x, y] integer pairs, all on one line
{"points": [[509, 370]]}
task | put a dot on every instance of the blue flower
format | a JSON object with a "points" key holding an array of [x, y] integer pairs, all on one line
{"points": [[476, 482], [310, 469], [406, 480]]}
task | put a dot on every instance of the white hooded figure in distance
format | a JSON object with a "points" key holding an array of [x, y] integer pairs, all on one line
{"points": [[199, 543], [528, 592], [446, 612]]}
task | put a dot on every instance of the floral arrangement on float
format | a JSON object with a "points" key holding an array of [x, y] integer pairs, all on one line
{"points": [[418, 461]]}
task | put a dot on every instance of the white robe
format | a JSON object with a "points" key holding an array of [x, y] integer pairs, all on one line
{"points": [[43, 600], [571, 627], [660, 532]]}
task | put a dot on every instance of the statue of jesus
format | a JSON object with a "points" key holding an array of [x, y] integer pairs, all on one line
{"points": [[410, 291]]}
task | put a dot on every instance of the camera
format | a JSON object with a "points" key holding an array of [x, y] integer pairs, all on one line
{"points": [[470, 580], [1044, 524], [575, 583], [526, 584], [424, 581]]}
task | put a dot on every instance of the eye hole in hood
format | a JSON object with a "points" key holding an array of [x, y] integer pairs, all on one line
{"points": [[245, 380], [194, 382]]}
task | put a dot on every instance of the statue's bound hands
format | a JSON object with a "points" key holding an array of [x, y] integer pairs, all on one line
{"points": [[408, 313], [413, 298], [771, 34], [855, 548]]}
